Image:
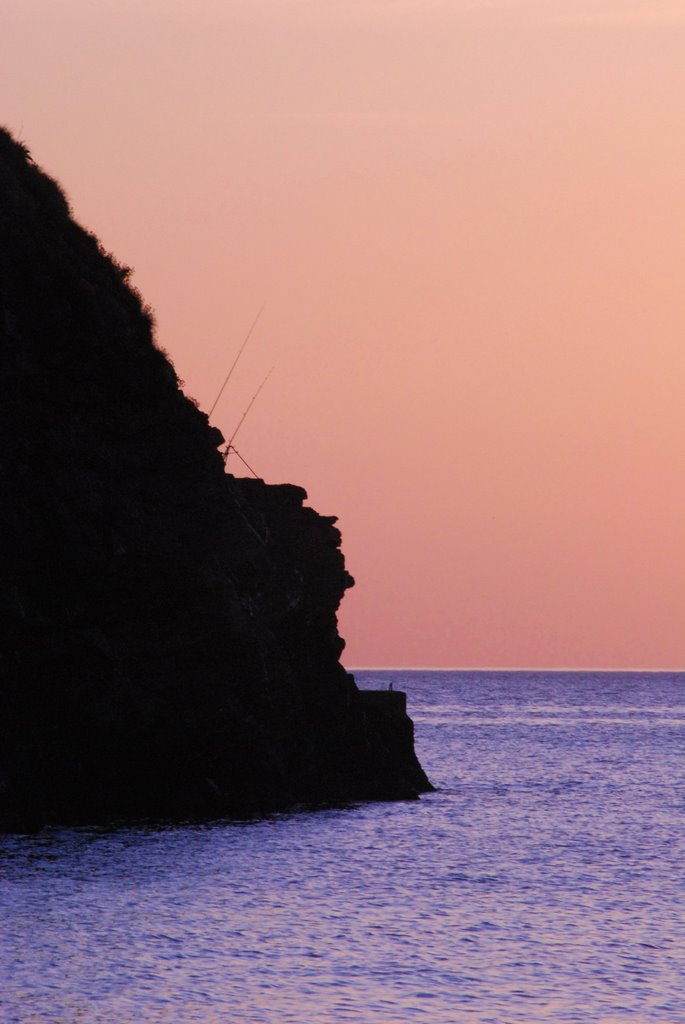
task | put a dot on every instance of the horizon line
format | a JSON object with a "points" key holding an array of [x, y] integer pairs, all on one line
{"points": [[503, 668]]}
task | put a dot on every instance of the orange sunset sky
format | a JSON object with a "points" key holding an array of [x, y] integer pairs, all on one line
{"points": [[468, 220]]}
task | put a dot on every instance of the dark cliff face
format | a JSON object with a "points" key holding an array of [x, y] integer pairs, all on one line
{"points": [[168, 636]]}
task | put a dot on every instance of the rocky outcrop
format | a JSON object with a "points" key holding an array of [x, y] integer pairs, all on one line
{"points": [[168, 635]]}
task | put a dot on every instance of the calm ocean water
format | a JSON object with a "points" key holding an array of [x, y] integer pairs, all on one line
{"points": [[544, 881]]}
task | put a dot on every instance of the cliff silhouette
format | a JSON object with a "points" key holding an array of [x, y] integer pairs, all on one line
{"points": [[168, 633]]}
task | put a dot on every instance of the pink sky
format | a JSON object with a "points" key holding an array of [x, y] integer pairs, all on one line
{"points": [[468, 218]]}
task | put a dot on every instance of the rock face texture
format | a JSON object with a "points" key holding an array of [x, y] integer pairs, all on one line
{"points": [[168, 636]]}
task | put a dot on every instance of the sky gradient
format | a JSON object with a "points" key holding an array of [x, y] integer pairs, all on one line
{"points": [[468, 221]]}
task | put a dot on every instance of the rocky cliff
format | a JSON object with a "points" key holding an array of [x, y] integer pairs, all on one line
{"points": [[168, 635]]}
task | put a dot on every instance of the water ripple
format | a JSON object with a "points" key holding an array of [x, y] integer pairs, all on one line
{"points": [[542, 882]]}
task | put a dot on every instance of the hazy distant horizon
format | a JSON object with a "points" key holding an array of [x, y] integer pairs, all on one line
{"points": [[504, 668]]}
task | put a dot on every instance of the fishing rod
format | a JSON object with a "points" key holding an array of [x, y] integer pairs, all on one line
{"points": [[235, 361], [251, 403], [232, 448]]}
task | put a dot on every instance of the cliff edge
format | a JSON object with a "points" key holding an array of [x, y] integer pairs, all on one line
{"points": [[168, 634]]}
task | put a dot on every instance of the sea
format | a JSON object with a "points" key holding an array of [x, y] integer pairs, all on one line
{"points": [[543, 880]]}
